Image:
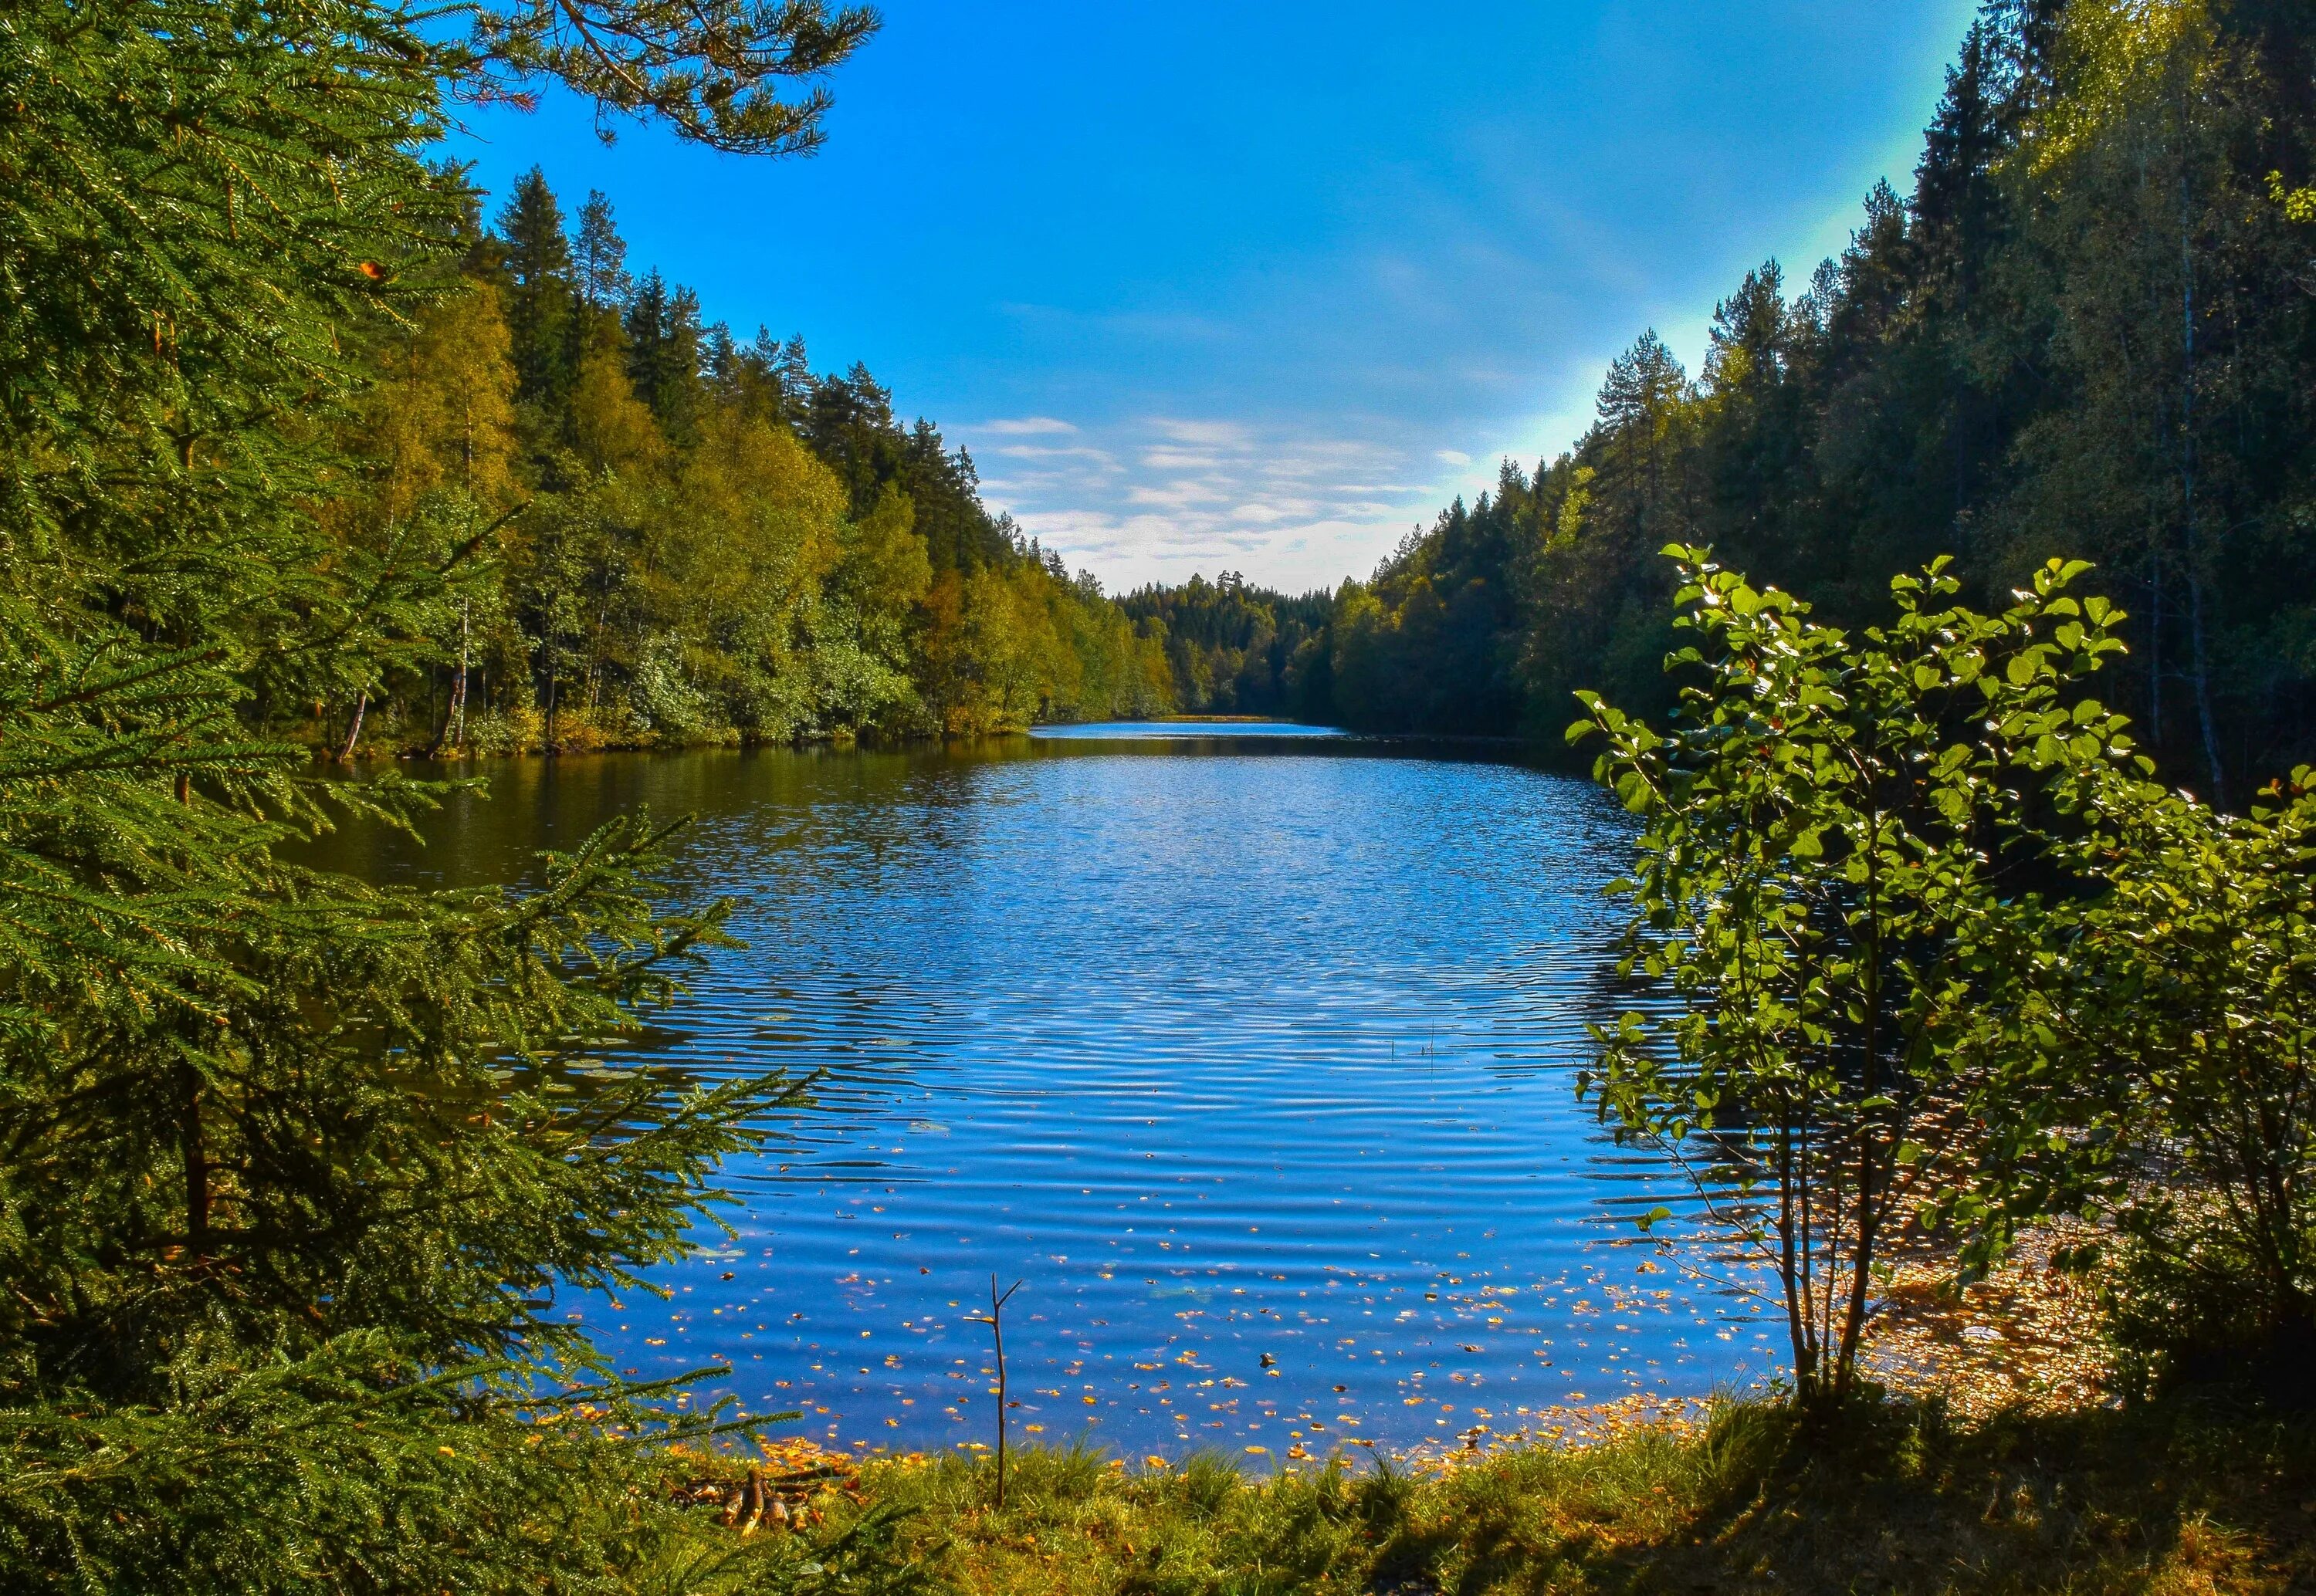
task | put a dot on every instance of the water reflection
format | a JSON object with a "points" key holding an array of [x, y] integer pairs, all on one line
{"points": [[1253, 1059], [1186, 731]]}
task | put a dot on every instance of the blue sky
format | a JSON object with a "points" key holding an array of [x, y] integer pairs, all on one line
{"points": [[1259, 286]]}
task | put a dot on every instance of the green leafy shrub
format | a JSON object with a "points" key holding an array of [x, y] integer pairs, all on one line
{"points": [[1824, 830], [2172, 1002]]}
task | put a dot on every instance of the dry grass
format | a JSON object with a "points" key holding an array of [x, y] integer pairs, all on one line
{"points": [[2190, 1496]]}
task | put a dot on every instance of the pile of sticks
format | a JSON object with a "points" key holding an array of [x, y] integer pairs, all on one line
{"points": [[781, 1501]]}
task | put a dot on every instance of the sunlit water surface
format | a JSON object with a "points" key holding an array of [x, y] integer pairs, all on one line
{"points": [[1250, 1052]]}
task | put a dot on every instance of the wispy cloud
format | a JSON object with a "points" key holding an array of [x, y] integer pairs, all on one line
{"points": [[1032, 451], [1156, 498], [1024, 427], [1215, 434]]}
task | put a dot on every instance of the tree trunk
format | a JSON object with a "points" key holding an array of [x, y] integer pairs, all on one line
{"points": [[196, 1160], [353, 731], [2204, 721], [2155, 643], [2188, 463], [453, 730]]}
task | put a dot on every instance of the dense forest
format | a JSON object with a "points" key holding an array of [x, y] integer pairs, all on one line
{"points": [[300, 1175], [1230, 649], [2089, 330], [2092, 320], [664, 534]]}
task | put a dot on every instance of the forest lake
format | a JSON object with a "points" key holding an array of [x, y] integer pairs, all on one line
{"points": [[1249, 1048]]}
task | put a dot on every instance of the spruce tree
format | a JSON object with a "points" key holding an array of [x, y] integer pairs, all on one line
{"points": [[539, 293], [295, 1173], [664, 354]]}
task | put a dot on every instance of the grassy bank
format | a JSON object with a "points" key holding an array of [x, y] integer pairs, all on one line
{"points": [[2194, 1493]]}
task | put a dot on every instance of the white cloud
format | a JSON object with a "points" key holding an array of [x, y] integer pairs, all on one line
{"points": [[1451, 456], [1178, 459], [1031, 451], [1178, 495], [1024, 427], [1227, 434], [1155, 499]]}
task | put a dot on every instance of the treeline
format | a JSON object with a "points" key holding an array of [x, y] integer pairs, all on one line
{"points": [[662, 535], [1230, 649], [2090, 328]]}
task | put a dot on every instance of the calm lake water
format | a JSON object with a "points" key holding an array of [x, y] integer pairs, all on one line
{"points": [[1249, 1050]]}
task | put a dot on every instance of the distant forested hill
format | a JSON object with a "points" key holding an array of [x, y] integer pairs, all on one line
{"points": [[664, 534], [1230, 649], [2089, 329]]}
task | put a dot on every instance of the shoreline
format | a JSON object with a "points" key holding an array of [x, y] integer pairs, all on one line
{"points": [[2197, 1492], [2023, 1341]]}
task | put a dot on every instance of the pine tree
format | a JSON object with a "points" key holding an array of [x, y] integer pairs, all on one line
{"points": [[1756, 442], [601, 257]]}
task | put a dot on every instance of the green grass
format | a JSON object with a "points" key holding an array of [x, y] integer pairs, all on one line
{"points": [[2190, 1495]]}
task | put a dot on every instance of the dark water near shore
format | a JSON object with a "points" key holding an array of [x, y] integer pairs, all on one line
{"points": [[1232, 1045]]}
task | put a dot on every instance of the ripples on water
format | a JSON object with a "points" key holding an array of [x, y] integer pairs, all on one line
{"points": [[1251, 1054]]}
